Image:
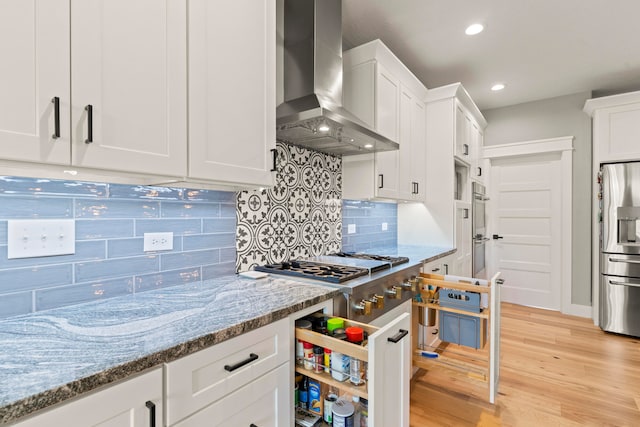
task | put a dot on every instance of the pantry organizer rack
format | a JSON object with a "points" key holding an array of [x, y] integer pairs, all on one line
{"points": [[478, 365]]}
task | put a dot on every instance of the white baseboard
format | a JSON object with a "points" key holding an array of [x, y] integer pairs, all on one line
{"points": [[579, 310]]}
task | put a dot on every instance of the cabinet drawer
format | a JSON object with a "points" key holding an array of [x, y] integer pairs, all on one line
{"points": [[263, 402], [196, 381]]}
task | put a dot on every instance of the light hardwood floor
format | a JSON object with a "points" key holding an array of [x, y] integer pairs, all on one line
{"points": [[556, 370]]}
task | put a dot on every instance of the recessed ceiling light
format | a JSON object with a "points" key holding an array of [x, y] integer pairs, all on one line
{"points": [[498, 86], [474, 29], [368, 145], [323, 127]]}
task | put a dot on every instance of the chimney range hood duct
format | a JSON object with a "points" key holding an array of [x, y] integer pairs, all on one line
{"points": [[312, 115]]}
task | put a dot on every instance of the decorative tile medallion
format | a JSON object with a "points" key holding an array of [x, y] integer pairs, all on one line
{"points": [[300, 216]]}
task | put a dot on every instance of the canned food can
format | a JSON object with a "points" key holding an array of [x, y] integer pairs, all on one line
{"points": [[342, 413], [328, 407]]}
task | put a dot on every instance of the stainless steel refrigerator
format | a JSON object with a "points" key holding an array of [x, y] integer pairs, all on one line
{"points": [[620, 248]]}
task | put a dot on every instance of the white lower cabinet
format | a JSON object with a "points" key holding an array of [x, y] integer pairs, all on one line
{"points": [[136, 402], [263, 402], [201, 382], [387, 356]]}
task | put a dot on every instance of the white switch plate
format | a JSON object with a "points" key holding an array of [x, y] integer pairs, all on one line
{"points": [[158, 241], [32, 238], [351, 228], [385, 226]]}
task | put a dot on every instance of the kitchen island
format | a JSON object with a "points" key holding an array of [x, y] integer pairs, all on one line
{"points": [[53, 356]]}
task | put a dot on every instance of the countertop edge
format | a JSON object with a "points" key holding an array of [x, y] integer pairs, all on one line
{"points": [[29, 406]]}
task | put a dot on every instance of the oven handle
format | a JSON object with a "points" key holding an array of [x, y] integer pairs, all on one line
{"points": [[397, 337], [627, 261], [615, 282]]}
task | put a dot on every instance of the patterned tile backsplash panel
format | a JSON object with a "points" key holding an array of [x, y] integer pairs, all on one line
{"points": [[110, 221], [299, 216], [370, 220]]}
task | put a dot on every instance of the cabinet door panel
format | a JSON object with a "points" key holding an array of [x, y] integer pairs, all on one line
{"points": [[119, 405], [265, 402], [129, 63], [406, 184], [387, 103], [390, 363], [232, 90], [418, 156], [34, 47]]}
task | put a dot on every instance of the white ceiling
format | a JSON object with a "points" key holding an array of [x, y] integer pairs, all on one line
{"points": [[539, 48]]}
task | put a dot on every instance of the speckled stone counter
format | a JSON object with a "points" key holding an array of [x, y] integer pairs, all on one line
{"points": [[48, 357]]}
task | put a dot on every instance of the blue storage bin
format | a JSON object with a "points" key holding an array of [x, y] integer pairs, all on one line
{"points": [[468, 301], [461, 329]]}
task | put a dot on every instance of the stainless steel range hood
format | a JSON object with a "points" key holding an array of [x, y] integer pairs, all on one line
{"points": [[312, 114]]}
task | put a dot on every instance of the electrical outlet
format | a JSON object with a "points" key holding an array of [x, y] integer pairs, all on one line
{"points": [[31, 238], [385, 226], [158, 241], [351, 229]]}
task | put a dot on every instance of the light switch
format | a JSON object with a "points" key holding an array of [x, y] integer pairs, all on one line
{"points": [[351, 229], [32, 238]]}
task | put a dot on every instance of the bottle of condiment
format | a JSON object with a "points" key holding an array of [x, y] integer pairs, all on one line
{"points": [[318, 359], [308, 355], [357, 410], [303, 393], [329, 400], [327, 360], [355, 335], [302, 324], [334, 323], [364, 413]]}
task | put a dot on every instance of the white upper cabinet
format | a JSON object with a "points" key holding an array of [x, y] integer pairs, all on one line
{"points": [[385, 95], [232, 90], [616, 127], [129, 67], [34, 47]]}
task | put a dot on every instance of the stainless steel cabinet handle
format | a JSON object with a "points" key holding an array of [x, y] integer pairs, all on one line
{"points": [[628, 261], [152, 413], [380, 181], [614, 282], [56, 117], [89, 110], [479, 171], [465, 149]]}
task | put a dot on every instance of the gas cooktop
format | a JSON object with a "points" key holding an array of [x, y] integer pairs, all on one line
{"points": [[332, 273]]}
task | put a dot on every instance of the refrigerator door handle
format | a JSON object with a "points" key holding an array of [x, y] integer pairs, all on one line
{"points": [[615, 282], [627, 261]]}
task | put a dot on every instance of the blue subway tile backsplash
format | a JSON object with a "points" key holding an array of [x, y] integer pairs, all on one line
{"points": [[369, 218], [110, 221]]}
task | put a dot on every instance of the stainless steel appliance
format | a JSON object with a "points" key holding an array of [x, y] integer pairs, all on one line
{"points": [[620, 248], [371, 289], [312, 114], [479, 229]]}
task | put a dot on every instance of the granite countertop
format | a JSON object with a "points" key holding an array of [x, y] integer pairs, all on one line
{"points": [[51, 356]]}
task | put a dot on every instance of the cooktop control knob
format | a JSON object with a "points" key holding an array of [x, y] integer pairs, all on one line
{"points": [[377, 300], [363, 307], [394, 292]]}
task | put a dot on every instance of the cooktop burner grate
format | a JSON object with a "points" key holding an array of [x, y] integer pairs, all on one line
{"points": [[314, 270], [392, 260]]}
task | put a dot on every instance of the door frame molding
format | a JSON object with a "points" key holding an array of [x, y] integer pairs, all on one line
{"points": [[564, 147]]}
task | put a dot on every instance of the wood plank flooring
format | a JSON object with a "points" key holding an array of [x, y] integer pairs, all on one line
{"points": [[555, 370]]}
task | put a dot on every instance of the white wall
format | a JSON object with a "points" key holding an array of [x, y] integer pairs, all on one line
{"points": [[550, 118]]}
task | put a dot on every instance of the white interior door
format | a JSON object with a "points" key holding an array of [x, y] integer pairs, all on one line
{"points": [[527, 214]]}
